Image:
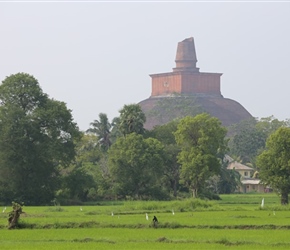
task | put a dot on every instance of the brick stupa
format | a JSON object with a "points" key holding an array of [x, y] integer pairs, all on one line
{"points": [[187, 91]]}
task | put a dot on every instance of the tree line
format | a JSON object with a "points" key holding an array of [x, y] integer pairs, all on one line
{"points": [[46, 159]]}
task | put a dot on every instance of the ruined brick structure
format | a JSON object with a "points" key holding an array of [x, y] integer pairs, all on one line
{"points": [[187, 91], [186, 78]]}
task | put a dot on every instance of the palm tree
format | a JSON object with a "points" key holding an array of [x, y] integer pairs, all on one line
{"points": [[132, 119], [102, 129]]}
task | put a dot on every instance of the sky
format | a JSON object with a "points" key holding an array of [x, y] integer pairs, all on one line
{"points": [[96, 56]]}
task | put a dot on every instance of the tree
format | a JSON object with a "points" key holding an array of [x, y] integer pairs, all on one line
{"points": [[246, 141], [165, 134], [229, 180], [115, 131], [274, 163], [270, 124], [87, 150], [136, 166], [77, 181], [37, 135], [87, 178], [102, 129], [202, 142], [250, 137], [132, 119]]}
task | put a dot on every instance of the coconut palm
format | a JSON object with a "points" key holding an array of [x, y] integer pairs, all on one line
{"points": [[102, 129]]}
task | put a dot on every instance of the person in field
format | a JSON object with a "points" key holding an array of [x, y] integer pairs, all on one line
{"points": [[155, 221]]}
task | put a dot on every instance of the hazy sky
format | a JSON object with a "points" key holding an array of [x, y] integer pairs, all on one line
{"points": [[97, 56]]}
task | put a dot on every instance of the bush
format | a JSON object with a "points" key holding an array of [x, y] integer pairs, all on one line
{"points": [[14, 215]]}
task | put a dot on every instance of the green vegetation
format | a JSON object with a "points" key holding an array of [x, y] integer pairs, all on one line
{"points": [[202, 142], [248, 138], [46, 160], [235, 222], [175, 107], [132, 119], [136, 165], [14, 215], [274, 163], [37, 139], [102, 129]]}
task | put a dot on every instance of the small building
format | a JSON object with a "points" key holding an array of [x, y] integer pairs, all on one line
{"points": [[243, 170], [249, 184], [252, 185]]}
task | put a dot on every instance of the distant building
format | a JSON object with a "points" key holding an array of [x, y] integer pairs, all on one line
{"points": [[249, 184], [187, 91]]}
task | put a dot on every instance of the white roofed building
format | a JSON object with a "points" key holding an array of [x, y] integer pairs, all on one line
{"points": [[249, 184]]}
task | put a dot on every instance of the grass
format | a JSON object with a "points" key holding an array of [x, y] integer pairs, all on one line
{"points": [[235, 222], [249, 199], [116, 238]]}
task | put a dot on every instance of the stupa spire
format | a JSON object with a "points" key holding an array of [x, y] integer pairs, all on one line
{"points": [[186, 56]]}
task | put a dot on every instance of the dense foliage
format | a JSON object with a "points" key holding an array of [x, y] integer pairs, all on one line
{"points": [[132, 119], [136, 166], [36, 138], [102, 129], [165, 134], [44, 158], [248, 138], [203, 145], [274, 163]]}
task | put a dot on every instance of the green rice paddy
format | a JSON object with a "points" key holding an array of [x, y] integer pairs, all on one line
{"points": [[235, 222]]}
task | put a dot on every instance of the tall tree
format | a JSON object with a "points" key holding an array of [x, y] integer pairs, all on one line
{"points": [[270, 124], [202, 142], [115, 131], [79, 180], [229, 180], [136, 166], [102, 129], [250, 137], [37, 135], [165, 134], [274, 163], [245, 140], [132, 119]]}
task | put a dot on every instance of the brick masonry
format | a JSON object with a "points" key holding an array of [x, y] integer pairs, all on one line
{"points": [[185, 80]]}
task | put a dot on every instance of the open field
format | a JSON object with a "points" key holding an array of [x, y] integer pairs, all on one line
{"points": [[235, 222]]}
